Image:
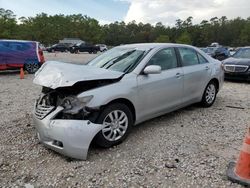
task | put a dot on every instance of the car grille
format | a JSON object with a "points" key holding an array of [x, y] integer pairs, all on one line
{"points": [[241, 68], [42, 111], [236, 68]]}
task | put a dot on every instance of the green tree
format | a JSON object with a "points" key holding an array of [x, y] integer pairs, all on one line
{"points": [[8, 25], [162, 39], [49, 29], [245, 35], [184, 38]]}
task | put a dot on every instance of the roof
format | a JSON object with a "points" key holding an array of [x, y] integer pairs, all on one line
{"points": [[245, 47], [13, 40], [153, 45], [71, 39]]}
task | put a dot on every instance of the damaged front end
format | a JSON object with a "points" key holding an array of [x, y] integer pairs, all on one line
{"points": [[73, 107], [63, 120], [69, 137]]}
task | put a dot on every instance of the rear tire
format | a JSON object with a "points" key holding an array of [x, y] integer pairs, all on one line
{"points": [[209, 94], [119, 121], [31, 66]]}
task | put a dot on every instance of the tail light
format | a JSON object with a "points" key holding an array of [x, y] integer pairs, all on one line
{"points": [[222, 65], [41, 56]]}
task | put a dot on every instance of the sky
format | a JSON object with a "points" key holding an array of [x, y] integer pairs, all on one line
{"points": [[146, 11]]}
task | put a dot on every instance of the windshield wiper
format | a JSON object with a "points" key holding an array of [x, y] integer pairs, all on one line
{"points": [[113, 59], [132, 65], [119, 58], [127, 69]]}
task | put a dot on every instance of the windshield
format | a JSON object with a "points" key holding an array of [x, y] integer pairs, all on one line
{"points": [[204, 50], [211, 50], [243, 53], [118, 59]]}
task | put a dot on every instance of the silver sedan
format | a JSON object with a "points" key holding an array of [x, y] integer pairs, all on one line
{"points": [[124, 86]]}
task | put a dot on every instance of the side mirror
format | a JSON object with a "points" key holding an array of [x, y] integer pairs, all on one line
{"points": [[152, 69]]}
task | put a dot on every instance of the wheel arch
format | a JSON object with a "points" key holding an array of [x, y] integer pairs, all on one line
{"points": [[217, 83], [127, 102]]}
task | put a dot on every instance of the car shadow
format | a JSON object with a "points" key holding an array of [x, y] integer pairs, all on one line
{"points": [[9, 72], [145, 126], [238, 81]]}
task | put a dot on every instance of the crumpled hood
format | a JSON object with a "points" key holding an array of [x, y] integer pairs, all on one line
{"points": [[54, 74], [237, 61]]}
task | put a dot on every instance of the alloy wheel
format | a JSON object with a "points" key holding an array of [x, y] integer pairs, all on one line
{"points": [[210, 93], [31, 67], [116, 125]]}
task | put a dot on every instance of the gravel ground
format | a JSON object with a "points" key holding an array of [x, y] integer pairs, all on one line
{"points": [[70, 58], [187, 148]]}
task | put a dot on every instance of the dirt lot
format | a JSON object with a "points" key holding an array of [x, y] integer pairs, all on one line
{"points": [[70, 58], [187, 148]]}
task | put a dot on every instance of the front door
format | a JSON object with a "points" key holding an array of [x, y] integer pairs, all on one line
{"points": [[160, 93]]}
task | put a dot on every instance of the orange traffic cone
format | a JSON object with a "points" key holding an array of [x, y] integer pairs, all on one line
{"points": [[240, 172], [21, 73]]}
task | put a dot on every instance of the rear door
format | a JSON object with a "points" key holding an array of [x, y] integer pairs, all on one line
{"points": [[18, 54], [84, 47], [197, 71], [60, 48], [14, 56], [159, 93]]}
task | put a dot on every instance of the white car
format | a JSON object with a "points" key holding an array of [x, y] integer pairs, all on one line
{"points": [[103, 47]]}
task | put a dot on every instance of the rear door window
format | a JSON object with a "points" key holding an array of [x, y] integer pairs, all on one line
{"points": [[188, 56], [165, 58]]}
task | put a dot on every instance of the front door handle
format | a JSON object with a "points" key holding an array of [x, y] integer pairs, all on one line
{"points": [[207, 67], [178, 75]]}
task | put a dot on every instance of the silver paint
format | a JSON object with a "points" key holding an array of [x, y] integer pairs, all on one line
{"points": [[151, 95]]}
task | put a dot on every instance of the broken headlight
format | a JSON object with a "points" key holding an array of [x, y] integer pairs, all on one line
{"points": [[73, 105]]}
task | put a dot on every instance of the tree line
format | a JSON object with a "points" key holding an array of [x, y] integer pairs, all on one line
{"points": [[49, 29]]}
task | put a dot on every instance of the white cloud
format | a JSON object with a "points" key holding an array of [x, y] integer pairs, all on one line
{"points": [[103, 22], [168, 11]]}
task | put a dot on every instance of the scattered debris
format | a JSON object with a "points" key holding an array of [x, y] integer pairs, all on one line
{"points": [[237, 107], [170, 165], [27, 185]]}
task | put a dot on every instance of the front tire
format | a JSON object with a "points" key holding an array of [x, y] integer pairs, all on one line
{"points": [[119, 121], [209, 94]]}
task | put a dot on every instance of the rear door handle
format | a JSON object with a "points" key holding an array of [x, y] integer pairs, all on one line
{"points": [[178, 75], [207, 68]]}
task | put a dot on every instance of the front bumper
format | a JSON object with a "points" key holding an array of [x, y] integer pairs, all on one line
{"points": [[68, 137], [238, 75]]}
